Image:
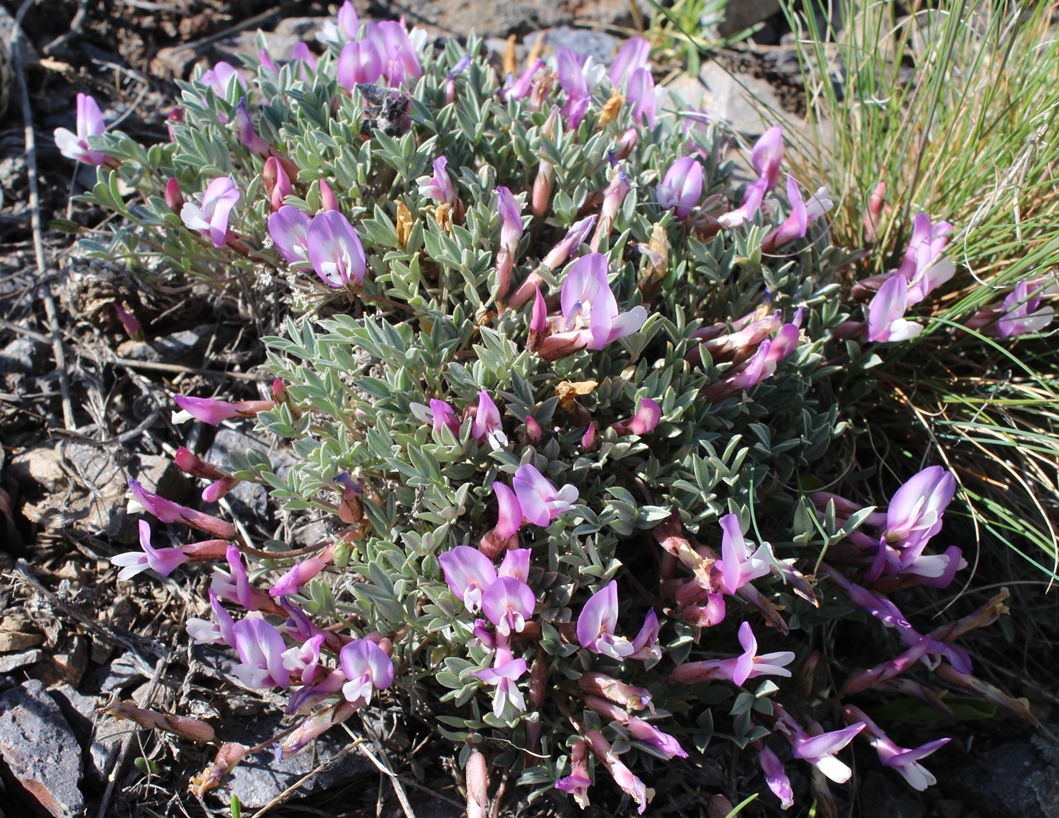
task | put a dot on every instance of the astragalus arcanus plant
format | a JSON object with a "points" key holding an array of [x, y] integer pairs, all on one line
{"points": [[558, 384]]}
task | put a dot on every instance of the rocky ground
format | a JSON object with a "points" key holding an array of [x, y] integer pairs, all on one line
{"points": [[82, 409]]}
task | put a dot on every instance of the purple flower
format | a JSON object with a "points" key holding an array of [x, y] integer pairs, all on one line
{"points": [[796, 224], [335, 250], [524, 84], [539, 500], [508, 603], [292, 581], [819, 750], [516, 561], [450, 79], [289, 228], [648, 414], [367, 668], [220, 631], [915, 511], [776, 776], [578, 782], [89, 123], [906, 762], [244, 127], [401, 62], [752, 198], [510, 232], [304, 659], [739, 668], [169, 512], [1023, 314], [886, 321], [439, 414], [645, 645], [301, 53], [213, 411], [642, 97], [590, 311], [595, 625], [682, 186], [260, 647], [621, 774], [277, 183], [488, 425], [219, 78], [631, 56], [737, 566], [652, 736], [505, 672], [469, 573], [573, 239], [767, 156], [439, 186], [573, 82], [211, 220], [162, 560], [235, 587], [361, 62], [346, 30]]}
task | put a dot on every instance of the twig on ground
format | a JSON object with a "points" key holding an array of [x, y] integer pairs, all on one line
{"points": [[75, 28], [293, 788], [395, 780], [34, 203]]}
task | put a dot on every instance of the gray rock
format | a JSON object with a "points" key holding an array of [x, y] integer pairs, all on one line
{"points": [[595, 44], [1015, 780], [166, 348], [886, 795], [40, 751], [13, 661], [259, 779], [248, 500], [100, 737], [737, 99], [123, 673]]}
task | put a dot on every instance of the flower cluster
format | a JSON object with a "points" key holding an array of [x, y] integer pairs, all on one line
{"points": [[555, 386]]}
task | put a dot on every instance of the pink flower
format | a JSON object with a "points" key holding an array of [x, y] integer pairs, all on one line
{"points": [[89, 123], [915, 511], [169, 512], [469, 573], [506, 671], [682, 187], [590, 318], [652, 736], [578, 782], [162, 560], [289, 228], [737, 566], [304, 659], [516, 564], [345, 31], [595, 625], [648, 414], [367, 668], [244, 128], [335, 250], [886, 321], [642, 97], [219, 78], [508, 603], [796, 223], [776, 776], [401, 62], [631, 56], [767, 156], [439, 414], [220, 631], [524, 84], [819, 750], [573, 239], [621, 774], [906, 762], [260, 647], [1023, 314], [129, 321], [538, 498], [752, 198], [439, 186], [737, 669], [510, 232], [488, 425], [278, 187], [301, 573], [211, 220], [509, 521], [361, 62], [213, 411], [573, 82]]}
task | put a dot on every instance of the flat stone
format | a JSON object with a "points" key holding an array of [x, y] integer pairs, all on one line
{"points": [[67, 667], [1014, 780], [40, 750], [11, 642], [737, 99], [595, 44], [248, 500], [41, 466], [279, 46], [260, 778], [14, 661], [171, 348], [100, 737], [124, 672]]}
